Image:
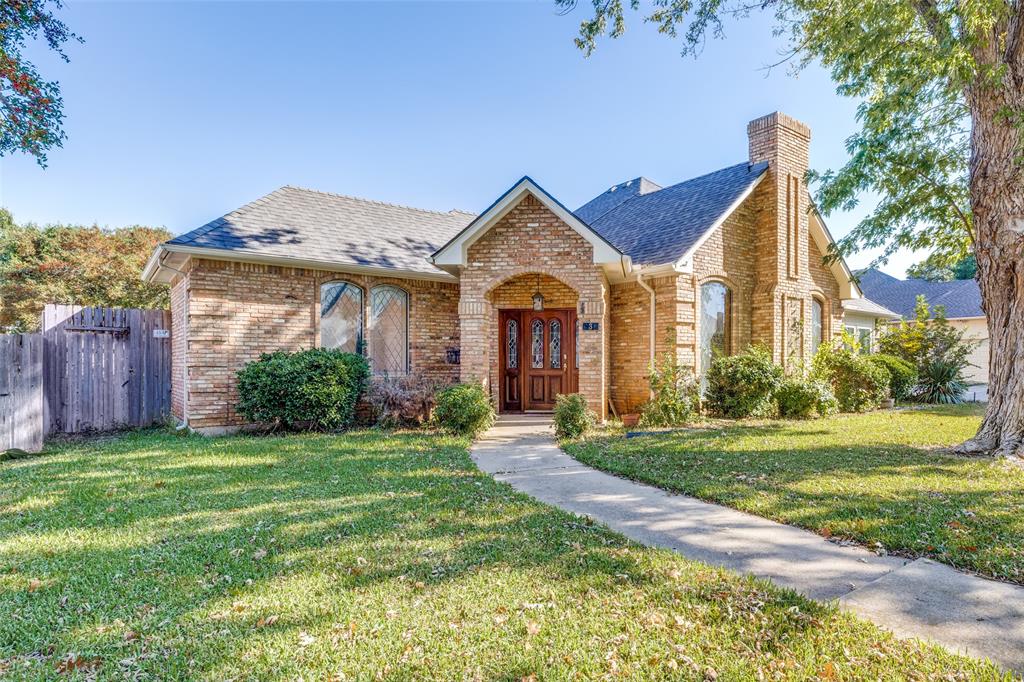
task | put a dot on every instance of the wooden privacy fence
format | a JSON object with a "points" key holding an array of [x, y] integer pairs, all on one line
{"points": [[91, 369], [21, 392], [105, 368]]}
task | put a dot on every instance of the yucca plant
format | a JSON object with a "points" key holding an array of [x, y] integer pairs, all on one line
{"points": [[941, 382]]}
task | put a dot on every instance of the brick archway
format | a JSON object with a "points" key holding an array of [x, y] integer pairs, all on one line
{"points": [[527, 242]]}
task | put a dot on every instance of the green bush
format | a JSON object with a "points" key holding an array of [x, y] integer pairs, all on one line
{"points": [[941, 382], [926, 339], [316, 388], [464, 409], [743, 385], [675, 394], [572, 416], [902, 375], [859, 384], [805, 398]]}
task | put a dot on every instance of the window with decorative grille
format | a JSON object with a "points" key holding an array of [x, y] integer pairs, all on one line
{"points": [[341, 317], [389, 330]]}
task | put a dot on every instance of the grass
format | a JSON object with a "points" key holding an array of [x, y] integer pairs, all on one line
{"points": [[373, 556], [880, 479]]}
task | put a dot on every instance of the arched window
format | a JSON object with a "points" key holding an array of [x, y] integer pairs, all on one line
{"points": [[389, 330], [816, 324], [341, 316], [715, 311]]}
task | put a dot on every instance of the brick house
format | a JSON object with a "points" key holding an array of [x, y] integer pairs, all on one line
{"points": [[529, 298]]}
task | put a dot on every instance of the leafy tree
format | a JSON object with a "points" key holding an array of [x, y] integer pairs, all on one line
{"points": [[941, 85], [31, 107], [926, 339], [937, 268], [70, 264]]}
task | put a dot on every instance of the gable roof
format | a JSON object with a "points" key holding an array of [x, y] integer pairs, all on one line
{"points": [[314, 226], [961, 298], [454, 252], [662, 225]]}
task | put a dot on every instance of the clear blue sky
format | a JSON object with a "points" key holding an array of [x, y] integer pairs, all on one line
{"points": [[179, 112]]}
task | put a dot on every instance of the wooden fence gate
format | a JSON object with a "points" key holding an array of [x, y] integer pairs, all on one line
{"points": [[21, 392], [91, 369], [105, 368]]}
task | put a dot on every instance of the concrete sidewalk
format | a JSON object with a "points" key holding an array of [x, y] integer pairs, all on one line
{"points": [[919, 598]]}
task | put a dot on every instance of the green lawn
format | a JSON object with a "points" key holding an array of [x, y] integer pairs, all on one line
{"points": [[366, 556], [880, 477]]}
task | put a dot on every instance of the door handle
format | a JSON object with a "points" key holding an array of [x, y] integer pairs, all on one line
{"points": [[565, 363]]}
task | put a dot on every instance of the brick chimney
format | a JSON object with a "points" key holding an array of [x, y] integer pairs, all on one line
{"points": [[781, 294]]}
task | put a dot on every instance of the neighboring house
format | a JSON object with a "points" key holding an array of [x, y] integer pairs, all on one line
{"points": [[528, 298], [862, 318], [961, 299]]}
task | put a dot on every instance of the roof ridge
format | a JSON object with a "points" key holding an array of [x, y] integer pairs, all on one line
{"points": [[373, 201], [710, 173]]}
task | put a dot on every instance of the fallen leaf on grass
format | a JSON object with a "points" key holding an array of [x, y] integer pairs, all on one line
{"points": [[34, 584], [532, 628], [305, 639], [74, 662], [259, 554], [266, 622]]}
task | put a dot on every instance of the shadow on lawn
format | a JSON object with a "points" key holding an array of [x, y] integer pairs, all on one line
{"points": [[916, 501], [154, 530]]}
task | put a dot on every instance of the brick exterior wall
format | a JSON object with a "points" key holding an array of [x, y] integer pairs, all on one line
{"points": [[501, 272], [236, 311], [179, 341], [763, 253], [225, 314], [788, 265]]}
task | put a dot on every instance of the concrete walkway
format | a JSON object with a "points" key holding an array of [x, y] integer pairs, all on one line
{"points": [[919, 598]]}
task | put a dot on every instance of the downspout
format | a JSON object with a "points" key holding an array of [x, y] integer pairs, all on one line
{"points": [[647, 287]]}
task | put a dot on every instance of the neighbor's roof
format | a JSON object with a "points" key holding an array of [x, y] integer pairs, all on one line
{"points": [[656, 225], [292, 222], [961, 298], [867, 307]]}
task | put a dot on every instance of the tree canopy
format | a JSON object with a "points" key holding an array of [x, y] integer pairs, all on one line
{"points": [[72, 264], [908, 62], [934, 268], [31, 107]]}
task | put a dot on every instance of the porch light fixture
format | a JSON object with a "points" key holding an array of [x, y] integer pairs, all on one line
{"points": [[538, 298]]}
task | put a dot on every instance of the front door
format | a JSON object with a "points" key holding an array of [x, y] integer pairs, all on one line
{"points": [[536, 358]]}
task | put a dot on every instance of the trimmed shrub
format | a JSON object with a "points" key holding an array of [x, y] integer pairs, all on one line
{"points": [[316, 388], [859, 385], [743, 385], [805, 398], [941, 382], [902, 374], [464, 409], [402, 400], [675, 393], [573, 417]]}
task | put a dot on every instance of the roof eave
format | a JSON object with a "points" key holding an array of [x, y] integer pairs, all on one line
{"points": [[454, 253], [154, 264]]}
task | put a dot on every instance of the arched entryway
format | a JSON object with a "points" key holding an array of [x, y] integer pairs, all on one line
{"points": [[536, 356]]}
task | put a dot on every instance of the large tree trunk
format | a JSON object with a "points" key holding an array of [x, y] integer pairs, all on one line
{"points": [[997, 205]]}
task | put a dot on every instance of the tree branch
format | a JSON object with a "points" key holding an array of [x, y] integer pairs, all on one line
{"points": [[928, 10]]}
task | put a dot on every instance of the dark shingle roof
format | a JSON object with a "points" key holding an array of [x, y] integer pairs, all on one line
{"points": [[654, 225], [306, 224], [961, 298]]}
